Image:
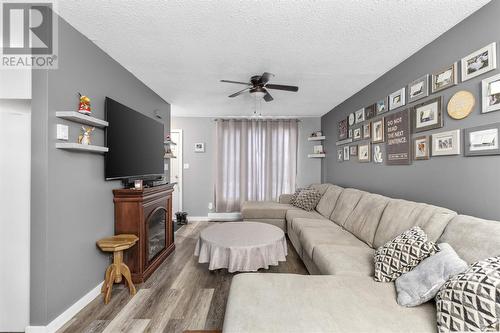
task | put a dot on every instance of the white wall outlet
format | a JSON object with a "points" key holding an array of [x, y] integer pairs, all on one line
{"points": [[165, 167], [210, 205], [186, 165], [62, 132]]}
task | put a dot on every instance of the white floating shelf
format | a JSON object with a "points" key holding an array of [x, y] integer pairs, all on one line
{"points": [[80, 147], [166, 156], [316, 138], [81, 118], [316, 155], [169, 143]]}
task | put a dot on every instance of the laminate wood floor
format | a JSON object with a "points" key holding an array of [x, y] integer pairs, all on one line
{"points": [[181, 295]]}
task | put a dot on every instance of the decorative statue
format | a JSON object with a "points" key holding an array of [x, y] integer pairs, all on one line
{"points": [[84, 138], [84, 106]]}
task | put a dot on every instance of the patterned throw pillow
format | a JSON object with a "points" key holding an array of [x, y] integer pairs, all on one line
{"points": [[307, 199], [470, 301], [402, 254], [295, 195]]}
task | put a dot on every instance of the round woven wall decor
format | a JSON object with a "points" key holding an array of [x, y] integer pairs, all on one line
{"points": [[461, 104]]}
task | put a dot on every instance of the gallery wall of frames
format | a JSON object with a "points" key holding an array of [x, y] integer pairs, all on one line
{"points": [[394, 129]]}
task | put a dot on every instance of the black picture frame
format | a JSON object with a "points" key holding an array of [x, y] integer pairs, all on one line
{"points": [[415, 110]]}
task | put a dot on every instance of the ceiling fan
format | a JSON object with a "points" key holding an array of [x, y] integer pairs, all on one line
{"points": [[258, 86]]}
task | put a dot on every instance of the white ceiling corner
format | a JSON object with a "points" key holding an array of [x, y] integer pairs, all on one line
{"points": [[330, 49]]}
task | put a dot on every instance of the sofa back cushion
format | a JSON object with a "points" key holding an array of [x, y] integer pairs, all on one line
{"points": [[364, 219], [401, 215], [328, 200], [346, 203], [473, 238], [321, 188]]}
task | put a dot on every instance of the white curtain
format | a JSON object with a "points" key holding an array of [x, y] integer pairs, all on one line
{"points": [[255, 160]]}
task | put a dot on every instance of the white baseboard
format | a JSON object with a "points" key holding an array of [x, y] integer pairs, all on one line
{"points": [[70, 312]]}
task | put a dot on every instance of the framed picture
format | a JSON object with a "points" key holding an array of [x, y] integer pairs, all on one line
{"points": [[370, 112], [346, 153], [479, 62], [397, 99], [318, 149], [364, 153], [382, 106], [428, 115], [360, 116], [350, 133], [351, 118], [397, 133], [357, 133], [366, 131], [446, 143], [418, 89], [342, 130], [445, 78], [421, 149], [377, 128], [340, 153], [482, 140], [491, 94], [353, 150], [199, 147]]}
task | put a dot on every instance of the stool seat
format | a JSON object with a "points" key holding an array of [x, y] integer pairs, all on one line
{"points": [[117, 244]]}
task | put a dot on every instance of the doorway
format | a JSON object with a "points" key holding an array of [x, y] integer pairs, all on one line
{"points": [[176, 172]]}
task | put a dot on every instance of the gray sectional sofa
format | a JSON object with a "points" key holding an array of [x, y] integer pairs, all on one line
{"points": [[337, 241]]}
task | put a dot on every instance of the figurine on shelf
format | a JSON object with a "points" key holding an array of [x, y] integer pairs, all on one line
{"points": [[84, 106], [84, 138]]}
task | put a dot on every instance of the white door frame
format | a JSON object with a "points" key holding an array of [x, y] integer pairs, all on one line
{"points": [[181, 164]]}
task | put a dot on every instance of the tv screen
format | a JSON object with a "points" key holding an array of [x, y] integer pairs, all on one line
{"points": [[135, 143]]}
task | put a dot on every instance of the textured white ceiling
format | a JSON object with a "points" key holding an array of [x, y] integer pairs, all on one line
{"points": [[330, 49]]}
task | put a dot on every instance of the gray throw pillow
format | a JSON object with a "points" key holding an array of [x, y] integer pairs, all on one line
{"points": [[423, 282], [307, 199], [295, 195]]}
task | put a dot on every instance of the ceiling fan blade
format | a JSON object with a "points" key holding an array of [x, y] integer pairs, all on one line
{"points": [[282, 87], [265, 78], [239, 92], [237, 82], [267, 97]]}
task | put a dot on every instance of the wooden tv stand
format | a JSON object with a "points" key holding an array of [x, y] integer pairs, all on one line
{"points": [[136, 212]]}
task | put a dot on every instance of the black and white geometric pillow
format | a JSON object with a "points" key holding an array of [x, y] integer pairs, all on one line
{"points": [[307, 199], [402, 254], [470, 301], [295, 195]]}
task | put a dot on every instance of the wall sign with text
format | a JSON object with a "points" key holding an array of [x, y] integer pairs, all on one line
{"points": [[397, 127]]}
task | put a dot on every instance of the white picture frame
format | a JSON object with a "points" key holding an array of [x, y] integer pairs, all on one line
{"points": [[490, 88], [397, 99], [360, 116], [444, 78], [357, 133], [364, 153], [479, 62], [418, 89], [346, 153], [446, 143], [199, 147]]}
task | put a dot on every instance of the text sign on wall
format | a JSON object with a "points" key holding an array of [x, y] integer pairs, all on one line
{"points": [[397, 127]]}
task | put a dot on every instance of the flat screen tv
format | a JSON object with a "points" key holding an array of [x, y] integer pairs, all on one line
{"points": [[135, 143]]}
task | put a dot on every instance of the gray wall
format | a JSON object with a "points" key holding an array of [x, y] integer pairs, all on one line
{"points": [[72, 204], [468, 185], [199, 178]]}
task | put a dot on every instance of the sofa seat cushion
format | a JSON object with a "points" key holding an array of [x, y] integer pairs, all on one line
{"points": [[329, 200], [300, 213], [344, 260], [264, 210], [332, 234], [299, 223], [267, 302]]}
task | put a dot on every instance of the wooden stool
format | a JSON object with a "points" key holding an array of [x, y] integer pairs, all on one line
{"points": [[117, 244]]}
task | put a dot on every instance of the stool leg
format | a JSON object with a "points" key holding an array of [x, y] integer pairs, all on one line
{"points": [[117, 262], [109, 287], [106, 279], [126, 273]]}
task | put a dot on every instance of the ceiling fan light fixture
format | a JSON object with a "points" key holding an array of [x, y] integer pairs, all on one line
{"points": [[258, 92]]}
